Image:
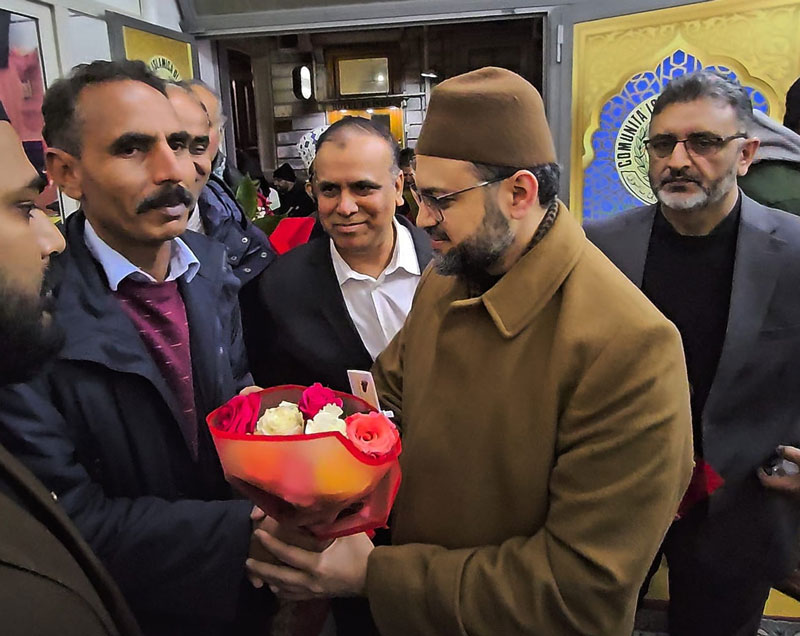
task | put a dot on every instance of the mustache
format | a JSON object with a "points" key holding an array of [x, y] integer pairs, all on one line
{"points": [[678, 175], [166, 197], [436, 233]]}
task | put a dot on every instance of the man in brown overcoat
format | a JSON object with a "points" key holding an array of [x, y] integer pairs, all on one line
{"points": [[543, 401]]}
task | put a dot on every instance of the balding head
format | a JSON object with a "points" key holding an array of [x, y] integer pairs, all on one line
{"points": [[211, 102]]}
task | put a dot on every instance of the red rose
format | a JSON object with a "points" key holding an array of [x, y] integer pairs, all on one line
{"points": [[372, 433], [315, 397], [239, 414]]}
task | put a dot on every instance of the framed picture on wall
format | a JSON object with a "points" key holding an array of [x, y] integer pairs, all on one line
{"points": [[169, 54]]}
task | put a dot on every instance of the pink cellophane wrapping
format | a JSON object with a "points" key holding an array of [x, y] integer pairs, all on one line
{"points": [[319, 482]]}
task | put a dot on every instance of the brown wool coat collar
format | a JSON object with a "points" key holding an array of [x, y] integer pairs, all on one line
{"points": [[533, 280]]}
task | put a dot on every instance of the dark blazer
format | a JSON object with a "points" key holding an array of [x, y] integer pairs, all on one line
{"points": [[754, 401], [306, 333], [99, 427], [50, 581]]}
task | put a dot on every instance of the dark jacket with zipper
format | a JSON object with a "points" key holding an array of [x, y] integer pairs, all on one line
{"points": [[100, 428]]}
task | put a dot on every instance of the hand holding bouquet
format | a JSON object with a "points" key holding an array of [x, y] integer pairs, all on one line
{"points": [[319, 460]]}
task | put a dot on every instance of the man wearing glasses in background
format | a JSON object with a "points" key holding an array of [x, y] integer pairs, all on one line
{"points": [[726, 271]]}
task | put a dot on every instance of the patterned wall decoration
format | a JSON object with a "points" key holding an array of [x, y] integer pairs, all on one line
{"points": [[752, 41]]}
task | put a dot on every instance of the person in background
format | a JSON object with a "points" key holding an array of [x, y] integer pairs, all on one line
{"points": [[114, 426], [409, 208], [334, 303], [294, 199], [217, 213], [543, 402], [726, 271], [50, 581], [773, 178]]}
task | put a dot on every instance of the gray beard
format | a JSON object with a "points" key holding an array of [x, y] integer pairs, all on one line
{"points": [[472, 259], [715, 192]]}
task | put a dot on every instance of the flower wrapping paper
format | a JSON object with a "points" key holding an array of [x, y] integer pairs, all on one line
{"points": [[320, 482]]}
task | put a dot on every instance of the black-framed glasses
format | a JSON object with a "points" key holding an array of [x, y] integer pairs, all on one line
{"points": [[438, 204], [700, 144]]}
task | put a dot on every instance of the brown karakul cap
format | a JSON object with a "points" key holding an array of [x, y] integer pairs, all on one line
{"points": [[490, 116]]}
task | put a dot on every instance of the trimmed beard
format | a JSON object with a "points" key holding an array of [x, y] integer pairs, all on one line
{"points": [[28, 335], [715, 192], [472, 259]]}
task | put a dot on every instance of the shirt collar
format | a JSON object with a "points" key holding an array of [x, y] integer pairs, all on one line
{"points": [[117, 268], [404, 256]]}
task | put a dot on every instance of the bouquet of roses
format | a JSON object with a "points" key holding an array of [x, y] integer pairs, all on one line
{"points": [[312, 458]]}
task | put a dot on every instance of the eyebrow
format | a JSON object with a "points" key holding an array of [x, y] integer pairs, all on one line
{"points": [[182, 137], [433, 191], [201, 139], [362, 183], [131, 139]]}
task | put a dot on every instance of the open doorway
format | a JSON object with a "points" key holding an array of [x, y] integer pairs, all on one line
{"points": [[385, 74]]}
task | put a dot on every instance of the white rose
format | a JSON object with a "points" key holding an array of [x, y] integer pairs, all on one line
{"points": [[327, 419], [284, 419]]}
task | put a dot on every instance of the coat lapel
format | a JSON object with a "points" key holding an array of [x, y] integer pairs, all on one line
{"points": [[755, 273], [197, 295], [331, 301], [632, 256]]}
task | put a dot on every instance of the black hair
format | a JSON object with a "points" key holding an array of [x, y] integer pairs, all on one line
{"points": [[62, 127], [706, 84], [547, 174], [365, 126], [406, 158], [792, 117]]}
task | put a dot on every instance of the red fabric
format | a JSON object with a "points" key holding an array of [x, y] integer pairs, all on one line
{"points": [[705, 480], [159, 314], [291, 232]]}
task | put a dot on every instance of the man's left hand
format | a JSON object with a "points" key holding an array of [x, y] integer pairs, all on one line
{"points": [[787, 483], [340, 570]]}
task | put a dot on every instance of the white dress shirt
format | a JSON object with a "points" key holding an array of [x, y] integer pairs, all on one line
{"points": [[378, 306], [195, 222], [117, 268]]}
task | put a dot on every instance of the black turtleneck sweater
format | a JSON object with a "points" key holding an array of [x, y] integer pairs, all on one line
{"points": [[689, 279]]}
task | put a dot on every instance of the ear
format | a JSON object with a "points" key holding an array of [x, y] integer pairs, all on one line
{"points": [[524, 194], [748, 153], [398, 189], [310, 190], [64, 171]]}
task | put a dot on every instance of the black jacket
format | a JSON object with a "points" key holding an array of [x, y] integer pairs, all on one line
{"points": [[99, 428], [306, 333], [753, 404]]}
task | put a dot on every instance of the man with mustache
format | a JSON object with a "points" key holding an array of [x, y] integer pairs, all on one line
{"points": [[216, 213], [115, 425], [50, 581], [726, 271], [543, 402]]}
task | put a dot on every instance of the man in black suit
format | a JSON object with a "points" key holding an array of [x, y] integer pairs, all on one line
{"points": [[726, 271], [50, 581], [334, 303]]}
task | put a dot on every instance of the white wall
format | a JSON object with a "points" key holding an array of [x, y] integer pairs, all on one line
{"points": [[87, 40], [86, 36], [164, 13]]}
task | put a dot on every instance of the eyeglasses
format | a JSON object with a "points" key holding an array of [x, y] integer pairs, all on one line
{"points": [[699, 144], [438, 204]]}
